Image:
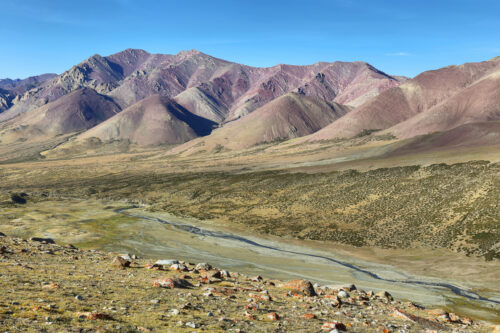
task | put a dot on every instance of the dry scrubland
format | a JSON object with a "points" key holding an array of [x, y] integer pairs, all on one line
{"points": [[59, 288], [438, 206]]}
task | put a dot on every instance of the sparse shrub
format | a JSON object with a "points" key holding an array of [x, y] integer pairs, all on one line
{"points": [[18, 198]]}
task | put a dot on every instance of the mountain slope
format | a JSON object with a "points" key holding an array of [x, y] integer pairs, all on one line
{"points": [[5, 99], [20, 86], [214, 88], [289, 116], [411, 98], [478, 102], [464, 136], [80, 110], [342, 82], [11, 90], [153, 121]]}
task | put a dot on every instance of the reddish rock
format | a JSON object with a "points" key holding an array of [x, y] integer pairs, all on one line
{"points": [[300, 285], [93, 315], [309, 316], [51, 285], [467, 321], [403, 315], [171, 283], [213, 274], [249, 316], [205, 280], [178, 268]]}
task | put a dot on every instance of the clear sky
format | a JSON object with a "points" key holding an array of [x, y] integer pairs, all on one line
{"points": [[400, 37]]}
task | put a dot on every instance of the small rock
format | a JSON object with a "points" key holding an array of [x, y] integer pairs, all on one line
{"points": [[51, 285], [343, 294], [300, 285], [384, 294], [155, 301], [126, 256], [93, 315], [186, 306], [203, 266], [120, 262], [2, 234], [174, 312], [309, 316], [210, 314], [453, 317], [328, 326], [166, 262], [178, 267], [467, 321], [191, 324], [273, 316], [43, 240], [171, 283], [78, 297]]}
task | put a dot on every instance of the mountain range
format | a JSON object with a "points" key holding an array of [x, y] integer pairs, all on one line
{"points": [[204, 104]]}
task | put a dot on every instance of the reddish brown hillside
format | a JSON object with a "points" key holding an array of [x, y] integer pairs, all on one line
{"points": [[80, 110], [290, 116], [152, 121], [412, 98]]}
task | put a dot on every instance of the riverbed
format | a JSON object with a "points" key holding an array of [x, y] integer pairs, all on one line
{"points": [[121, 228]]}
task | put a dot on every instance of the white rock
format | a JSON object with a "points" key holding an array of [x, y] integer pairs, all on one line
{"points": [[203, 266], [166, 262], [191, 324], [126, 257]]}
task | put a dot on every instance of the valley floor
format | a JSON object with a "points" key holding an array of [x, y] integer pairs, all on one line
{"points": [[48, 288], [102, 225], [436, 221]]}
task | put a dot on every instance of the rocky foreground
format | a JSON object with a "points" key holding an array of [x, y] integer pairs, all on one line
{"points": [[45, 287]]}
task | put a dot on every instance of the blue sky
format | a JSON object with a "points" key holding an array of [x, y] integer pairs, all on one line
{"points": [[399, 37]]}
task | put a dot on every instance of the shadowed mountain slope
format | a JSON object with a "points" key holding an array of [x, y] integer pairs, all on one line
{"points": [[464, 136], [80, 110], [153, 121], [289, 116]]}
